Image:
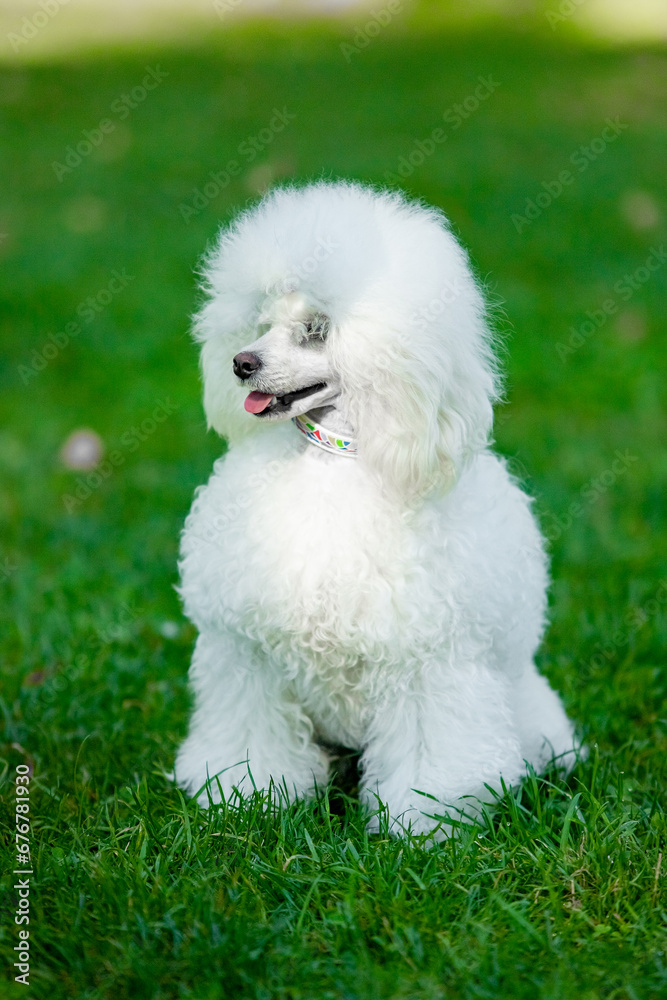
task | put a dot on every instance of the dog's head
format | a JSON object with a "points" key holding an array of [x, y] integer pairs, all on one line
{"points": [[338, 293]]}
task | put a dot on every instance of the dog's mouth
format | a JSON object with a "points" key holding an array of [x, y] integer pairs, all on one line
{"points": [[262, 403]]}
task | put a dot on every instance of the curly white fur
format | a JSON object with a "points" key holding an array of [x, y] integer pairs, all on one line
{"points": [[393, 603]]}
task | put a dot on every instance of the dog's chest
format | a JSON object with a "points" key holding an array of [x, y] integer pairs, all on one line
{"points": [[331, 555], [330, 589], [310, 562]]}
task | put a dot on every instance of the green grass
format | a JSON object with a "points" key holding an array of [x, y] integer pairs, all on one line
{"points": [[138, 893]]}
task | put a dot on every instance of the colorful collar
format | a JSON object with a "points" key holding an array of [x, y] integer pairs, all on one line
{"points": [[325, 439]]}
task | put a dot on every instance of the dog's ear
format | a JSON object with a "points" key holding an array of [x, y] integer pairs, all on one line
{"points": [[427, 406], [220, 401], [216, 328]]}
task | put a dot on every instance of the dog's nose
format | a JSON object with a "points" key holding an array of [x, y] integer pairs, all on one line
{"points": [[245, 364]]}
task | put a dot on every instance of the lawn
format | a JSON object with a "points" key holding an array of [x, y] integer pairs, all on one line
{"points": [[136, 892]]}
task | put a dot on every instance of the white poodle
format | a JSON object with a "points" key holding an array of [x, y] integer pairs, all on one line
{"points": [[362, 569]]}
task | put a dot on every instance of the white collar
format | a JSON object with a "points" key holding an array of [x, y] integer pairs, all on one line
{"points": [[339, 444]]}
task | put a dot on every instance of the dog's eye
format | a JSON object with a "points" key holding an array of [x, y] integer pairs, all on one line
{"points": [[315, 328]]}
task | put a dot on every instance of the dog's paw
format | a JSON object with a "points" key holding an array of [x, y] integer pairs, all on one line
{"points": [[411, 822], [211, 785], [414, 814]]}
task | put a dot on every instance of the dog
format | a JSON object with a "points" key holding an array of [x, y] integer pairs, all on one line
{"points": [[362, 569]]}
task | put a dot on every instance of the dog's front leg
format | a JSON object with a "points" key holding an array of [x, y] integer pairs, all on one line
{"points": [[245, 731], [432, 749]]}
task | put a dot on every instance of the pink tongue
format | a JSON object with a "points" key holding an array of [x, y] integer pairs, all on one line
{"points": [[257, 401]]}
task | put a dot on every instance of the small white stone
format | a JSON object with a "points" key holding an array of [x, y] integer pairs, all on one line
{"points": [[169, 630], [83, 449]]}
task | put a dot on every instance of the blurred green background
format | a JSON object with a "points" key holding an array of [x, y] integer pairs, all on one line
{"points": [[94, 649]]}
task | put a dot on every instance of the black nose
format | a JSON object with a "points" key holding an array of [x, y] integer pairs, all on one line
{"points": [[245, 364]]}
